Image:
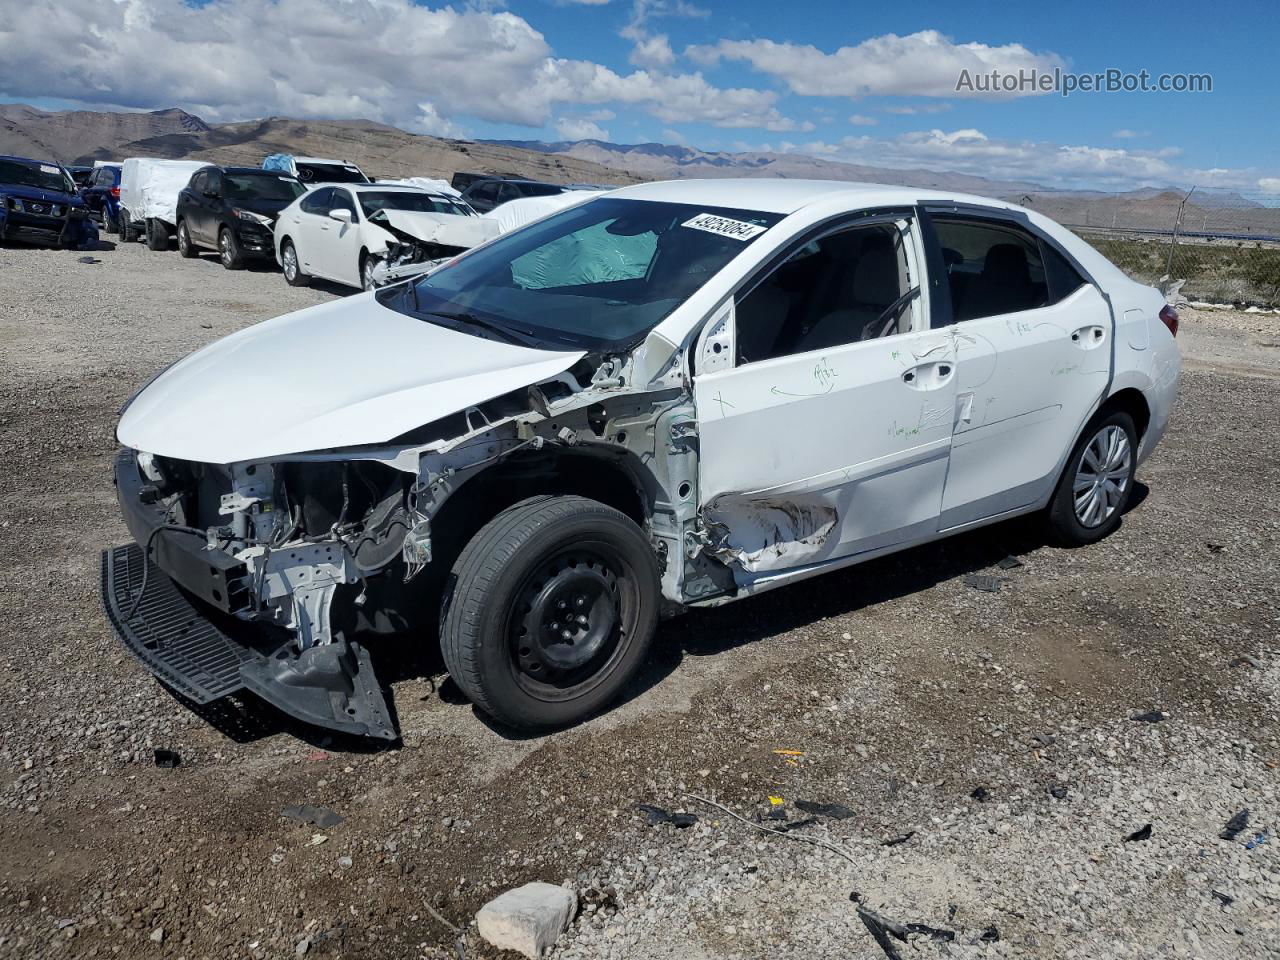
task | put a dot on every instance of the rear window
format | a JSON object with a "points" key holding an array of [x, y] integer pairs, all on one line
{"points": [[261, 186], [329, 173]]}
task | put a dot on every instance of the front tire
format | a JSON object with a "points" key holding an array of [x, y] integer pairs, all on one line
{"points": [[108, 221], [229, 249], [292, 266], [185, 247], [367, 262], [1097, 482], [550, 611]]}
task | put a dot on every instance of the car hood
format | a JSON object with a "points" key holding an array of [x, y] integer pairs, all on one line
{"points": [[447, 229], [39, 194], [347, 373]]}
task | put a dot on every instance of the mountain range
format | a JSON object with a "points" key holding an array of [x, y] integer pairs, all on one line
{"points": [[81, 136]]}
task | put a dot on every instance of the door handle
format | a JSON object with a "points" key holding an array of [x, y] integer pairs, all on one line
{"points": [[929, 376]]}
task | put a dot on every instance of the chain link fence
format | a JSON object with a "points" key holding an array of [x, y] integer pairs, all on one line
{"points": [[1220, 248]]}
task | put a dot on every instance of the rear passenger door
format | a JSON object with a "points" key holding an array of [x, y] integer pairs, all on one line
{"points": [[1033, 349], [824, 420]]}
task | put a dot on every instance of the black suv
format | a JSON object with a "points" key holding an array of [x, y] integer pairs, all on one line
{"points": [[233, 210], [484, 195]]}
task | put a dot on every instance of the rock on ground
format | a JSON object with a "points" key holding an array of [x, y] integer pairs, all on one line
{"points": [[527, 919]]}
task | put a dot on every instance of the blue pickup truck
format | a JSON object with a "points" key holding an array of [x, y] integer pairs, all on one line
{"points": [[38, 203]]}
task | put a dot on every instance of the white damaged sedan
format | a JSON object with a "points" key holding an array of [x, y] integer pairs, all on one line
{"points": [[366, 235], [676, 395]]}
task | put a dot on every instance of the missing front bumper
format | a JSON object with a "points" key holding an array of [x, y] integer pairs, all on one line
{"points": [[331, 686]]}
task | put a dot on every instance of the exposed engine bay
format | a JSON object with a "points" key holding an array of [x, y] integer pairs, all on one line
{"points": [[331, 549]]}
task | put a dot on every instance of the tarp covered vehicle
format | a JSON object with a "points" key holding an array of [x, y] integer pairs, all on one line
{"points": [[149, 191], [675, 395], [39, 203]]}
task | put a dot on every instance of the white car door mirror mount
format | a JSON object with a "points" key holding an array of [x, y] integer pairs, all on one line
{"points": [[716, 344], [342, 215]]}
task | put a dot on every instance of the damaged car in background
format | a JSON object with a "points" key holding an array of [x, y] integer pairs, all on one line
{"points": [[368, 235], [674, 396]]}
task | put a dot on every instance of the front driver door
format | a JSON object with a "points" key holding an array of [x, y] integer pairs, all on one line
{"points": [[828, 432]]}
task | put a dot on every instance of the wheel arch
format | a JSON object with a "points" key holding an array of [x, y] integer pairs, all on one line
{"points": [[610, 480], [1133, 402]]}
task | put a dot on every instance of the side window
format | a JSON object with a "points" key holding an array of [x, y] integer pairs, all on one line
{"points": [[509, 191], [487, 192], [992, 268], [214, 183], [342, 200], [317, 202], [199, 182], [1063, 279], [842, 288]]}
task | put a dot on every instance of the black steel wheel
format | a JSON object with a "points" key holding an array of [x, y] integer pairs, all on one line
{"points": [[550, 611]]}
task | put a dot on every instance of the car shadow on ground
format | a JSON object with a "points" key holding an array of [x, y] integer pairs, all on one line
{"points": [[720, 630], [714, 631]]}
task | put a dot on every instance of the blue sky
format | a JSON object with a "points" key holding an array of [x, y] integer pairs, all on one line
{"points": [[867, 83]]}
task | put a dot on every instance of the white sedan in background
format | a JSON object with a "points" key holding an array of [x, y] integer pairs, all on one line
{"points": [[343, 232]]}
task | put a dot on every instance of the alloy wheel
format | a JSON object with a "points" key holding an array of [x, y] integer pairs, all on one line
{"points": [[290, 258], [1102, 476], [224, 248]]}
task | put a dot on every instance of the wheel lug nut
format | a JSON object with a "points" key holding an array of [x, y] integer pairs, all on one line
{"points": [[560, 605], [555, 625], [581, 602], [582, 620], [566, 635]]}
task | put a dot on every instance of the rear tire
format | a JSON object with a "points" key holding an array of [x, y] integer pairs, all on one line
{"points": [[229, 249], [292, 266], [550, 611], [185, 247], [157, 234], [1097, 482]]}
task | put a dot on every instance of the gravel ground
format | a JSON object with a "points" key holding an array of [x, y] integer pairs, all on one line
{"points": [[901, 690]]}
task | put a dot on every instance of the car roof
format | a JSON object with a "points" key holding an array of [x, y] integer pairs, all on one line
{"points": [[785, 196], [255, 171], [540, 183], [325, 160], [383, 188], [49, 163]]}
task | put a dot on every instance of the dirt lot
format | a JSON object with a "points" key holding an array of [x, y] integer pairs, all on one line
{"points": [[903, 689]]}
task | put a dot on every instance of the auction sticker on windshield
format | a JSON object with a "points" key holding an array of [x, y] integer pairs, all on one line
{"points": [[724, 227]]}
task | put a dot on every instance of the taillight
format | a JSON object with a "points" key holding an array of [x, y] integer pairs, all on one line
{"points": [[115, 192], [1169, 317]]}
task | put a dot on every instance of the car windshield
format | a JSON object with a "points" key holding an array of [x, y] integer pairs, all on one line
{"points": [[261, 186], [30, 173], [329, 173], [371, 201], [597, 275]]}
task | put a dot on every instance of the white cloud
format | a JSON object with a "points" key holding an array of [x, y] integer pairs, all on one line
{"points": [[973, 152], [1270, 186], [861, 120], [580, 128], [375, 59], [920, 64], [673, 136], [1125, 134], [654, 51], [910, 110], [429, 121]]}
